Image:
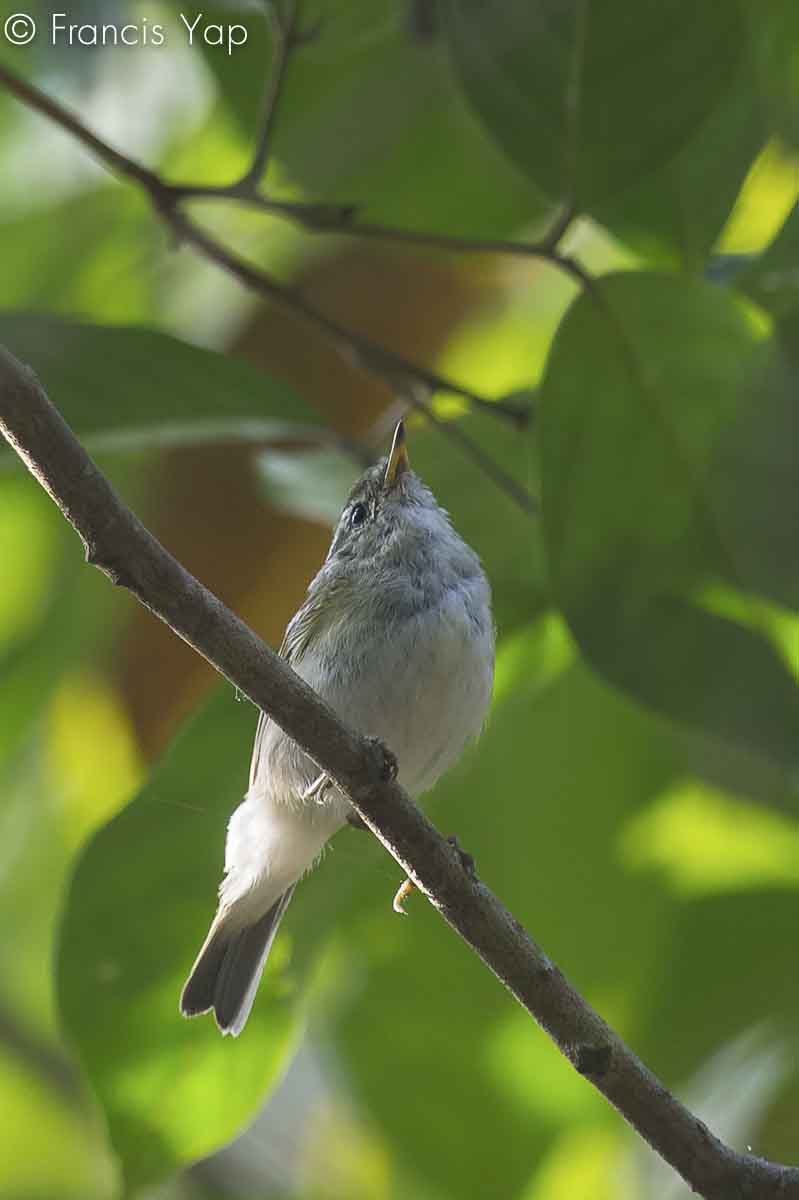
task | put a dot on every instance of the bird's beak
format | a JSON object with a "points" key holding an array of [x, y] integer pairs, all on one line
{"points": [[398, 461]]}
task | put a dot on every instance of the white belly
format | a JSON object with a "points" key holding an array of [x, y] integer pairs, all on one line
{"points": [[424, 690]]}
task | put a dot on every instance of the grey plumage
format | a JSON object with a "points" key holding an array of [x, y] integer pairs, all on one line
{"points": [[396, 635], [225, 976]]}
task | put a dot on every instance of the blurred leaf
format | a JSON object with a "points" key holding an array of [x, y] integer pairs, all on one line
{"points": [[348, 101], [709, 985], [93, 759], [590, 100], [140, 902], [29, 539], [508, 540], [676, 213], [753, 477], [123, 387], [773, 278], [104, 266], [48, 607], [46, 1146], [764, 202], [639, 391], [731, 1093], [705, 841], [539, 801], [774, 33], [309, 483], [584, 1162]]}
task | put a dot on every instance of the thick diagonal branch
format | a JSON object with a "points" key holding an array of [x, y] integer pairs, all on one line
{"points": [[117, 543]]}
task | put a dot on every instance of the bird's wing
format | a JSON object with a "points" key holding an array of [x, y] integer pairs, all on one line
{"points": [[305, 627]]}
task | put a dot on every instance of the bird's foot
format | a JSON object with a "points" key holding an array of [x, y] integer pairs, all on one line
{"points": [[389, 767], [317, 790], [407, 886], [403, 892]]}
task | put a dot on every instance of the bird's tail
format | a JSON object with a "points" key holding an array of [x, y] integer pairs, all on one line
{"points": [[228, 968]]}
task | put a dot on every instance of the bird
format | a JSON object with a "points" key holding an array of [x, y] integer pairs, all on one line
{"points": [[396, 634]]}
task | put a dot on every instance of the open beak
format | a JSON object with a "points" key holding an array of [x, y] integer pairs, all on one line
{"points": [[398, 461]]}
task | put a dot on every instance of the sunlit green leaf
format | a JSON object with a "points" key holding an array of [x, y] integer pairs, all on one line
{"points": [[773, 278], [104, 266], [661, 215], [641, 389], [142, 895], [538, 802]]}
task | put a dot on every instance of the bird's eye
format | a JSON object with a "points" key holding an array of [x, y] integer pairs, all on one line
{"points": [[358, 515]]}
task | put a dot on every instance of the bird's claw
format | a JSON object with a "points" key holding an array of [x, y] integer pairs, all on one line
{"points": [[316, 790], [403, 892], [389, 767]]}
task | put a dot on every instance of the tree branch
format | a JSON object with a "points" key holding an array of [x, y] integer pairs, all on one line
{"points": [[117, 543], [285, 37], [389, 366]]}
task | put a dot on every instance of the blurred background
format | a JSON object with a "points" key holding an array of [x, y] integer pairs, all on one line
{"points": [[634, 799]]}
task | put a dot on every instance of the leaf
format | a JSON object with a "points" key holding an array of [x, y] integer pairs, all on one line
{"points": [[97, 269], [588, 99], [347, 100], [313, 484], [125, 388], [774, 33], [676, 213], [141, 898], [508, 540], [640, 390], [753, 477], [773, 278], [538, 802]]}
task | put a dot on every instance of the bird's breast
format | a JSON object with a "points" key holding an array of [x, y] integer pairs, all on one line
{"points": [[419, 681]]}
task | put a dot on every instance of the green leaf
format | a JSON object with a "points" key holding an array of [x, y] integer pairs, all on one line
{"points": [[538, 802], [141, 898], [774, 34], [313, 484], [97, 269], [347, 101], [588, 99], [124, 387], [773, 278], [676, 213], [641, 389], [508, 540], [753, 479]]}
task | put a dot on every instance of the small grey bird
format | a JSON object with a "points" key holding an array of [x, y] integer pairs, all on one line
{"points": [[396, 634]]}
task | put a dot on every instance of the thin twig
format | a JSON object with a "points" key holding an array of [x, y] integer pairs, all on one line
{"points": [[359, 350], [341, 219], [284, 39], [378, 360], [476, 453], [117, 543]]}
